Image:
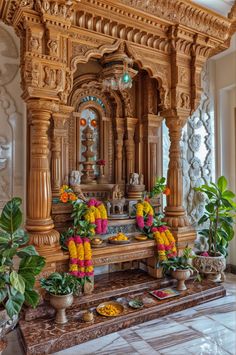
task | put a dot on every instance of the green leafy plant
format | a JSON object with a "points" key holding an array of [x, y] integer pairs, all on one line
{"points": [[17, 282], [159, 186], [219, 214], [61, 283], [179, 262], [80, 225], [157, 222]]}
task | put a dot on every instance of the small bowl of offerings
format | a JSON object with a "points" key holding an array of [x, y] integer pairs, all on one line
{"points": [[141, 237], [120, 238], [136, 303], [96, 242], [110, 309]]}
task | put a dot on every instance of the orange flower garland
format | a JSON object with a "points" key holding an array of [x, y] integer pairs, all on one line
{"points": [[166, 247]]}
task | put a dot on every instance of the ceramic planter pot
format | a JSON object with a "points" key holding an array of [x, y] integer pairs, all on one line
{"points": [[181, 276], [61, 303], [211, 266]]}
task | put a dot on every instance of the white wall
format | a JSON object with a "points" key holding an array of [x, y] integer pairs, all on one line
{"points": [[225, 106], [12, 119]]}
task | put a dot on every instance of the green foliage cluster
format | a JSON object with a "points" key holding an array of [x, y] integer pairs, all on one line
{"points": [[61, 283], [219, 214], [159, 186], [17, 282], [157, 222], [80, 225], [179, 262]]}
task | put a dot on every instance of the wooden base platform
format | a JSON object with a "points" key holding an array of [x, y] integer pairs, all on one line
{"points": [[43, 336]]}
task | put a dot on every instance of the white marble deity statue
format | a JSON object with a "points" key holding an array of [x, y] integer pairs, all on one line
{"points": [[75, 177], [135, 179]]}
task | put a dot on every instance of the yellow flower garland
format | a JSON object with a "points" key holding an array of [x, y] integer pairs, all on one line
{"points": [[166, 246]]}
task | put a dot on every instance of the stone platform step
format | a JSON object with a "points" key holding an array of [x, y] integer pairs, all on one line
{"points": [[42, 336], [107, 287]]}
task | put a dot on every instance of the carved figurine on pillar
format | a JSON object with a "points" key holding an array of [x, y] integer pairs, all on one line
{"points": [[88, 171], [135, 188]]}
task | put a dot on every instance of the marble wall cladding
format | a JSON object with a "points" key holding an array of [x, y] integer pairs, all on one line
{"points": [[12, 119]]}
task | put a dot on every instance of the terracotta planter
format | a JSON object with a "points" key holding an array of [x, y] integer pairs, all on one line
{"points": [[211, 266], [60, 303], [181, 276]]}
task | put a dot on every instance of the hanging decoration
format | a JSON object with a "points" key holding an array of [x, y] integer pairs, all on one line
{"points": [[80, 252], [121, 80], [97, 215], [144, 214], [165, 241]]}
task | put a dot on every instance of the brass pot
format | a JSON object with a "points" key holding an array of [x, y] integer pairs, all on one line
{"points": [[181, 276], [60, 303]]}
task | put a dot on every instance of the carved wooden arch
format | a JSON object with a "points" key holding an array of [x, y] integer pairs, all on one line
{"points": [[90, 87], [144, 59]]}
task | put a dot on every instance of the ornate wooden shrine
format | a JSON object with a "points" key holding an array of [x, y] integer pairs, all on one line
{"points": [[68, 49]]}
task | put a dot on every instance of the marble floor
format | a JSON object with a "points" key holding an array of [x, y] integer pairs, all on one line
{"points": [[205, 329]]}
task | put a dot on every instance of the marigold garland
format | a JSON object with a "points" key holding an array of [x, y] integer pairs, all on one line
{"points": [[73, 268], [88, 258], [166, 247], [80, 257], [141, 209], [97, 214]]}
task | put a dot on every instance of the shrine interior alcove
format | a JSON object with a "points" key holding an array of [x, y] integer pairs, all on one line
{"points": [[125, 128]]}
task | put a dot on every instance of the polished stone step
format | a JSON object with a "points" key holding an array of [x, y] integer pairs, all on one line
{"points": [[107, 286], [42, 336]]}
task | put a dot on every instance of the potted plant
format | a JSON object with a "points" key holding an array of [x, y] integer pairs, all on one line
{"points": [[61, 287], [19, 265], [180, 268], [219, 216]]}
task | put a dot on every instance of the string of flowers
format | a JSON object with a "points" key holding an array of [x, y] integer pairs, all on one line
{"points": [[166, 247], [80, 257], [73, 266], [97, 215], [144, 214], [88, 258]]}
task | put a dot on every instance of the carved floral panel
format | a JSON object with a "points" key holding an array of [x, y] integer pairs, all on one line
{"points": [[11, 119]]}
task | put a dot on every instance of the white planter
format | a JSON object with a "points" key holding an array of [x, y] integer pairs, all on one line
{"points": [[212, 267]]}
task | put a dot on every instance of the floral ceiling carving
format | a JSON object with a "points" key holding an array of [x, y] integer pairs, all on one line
{"points": [[185, 13]]}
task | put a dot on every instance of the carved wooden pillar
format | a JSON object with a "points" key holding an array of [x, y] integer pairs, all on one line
{"points": [[119, 141], [39, 223], [59, 160], [175, 213], [130, 123], [151, 148]]}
